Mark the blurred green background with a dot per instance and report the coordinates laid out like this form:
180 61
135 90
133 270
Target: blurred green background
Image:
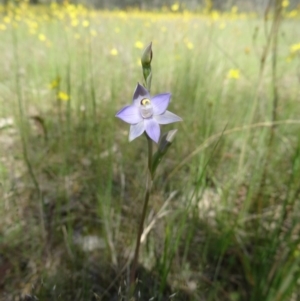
223 221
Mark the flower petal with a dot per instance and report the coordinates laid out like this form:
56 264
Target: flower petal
160 103
130 114
139 93
152 129
136 130
167 118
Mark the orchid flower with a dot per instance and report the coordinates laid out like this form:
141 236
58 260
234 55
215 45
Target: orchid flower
146 113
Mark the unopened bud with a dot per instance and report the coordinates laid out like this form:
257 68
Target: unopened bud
147 56
166 141
163 146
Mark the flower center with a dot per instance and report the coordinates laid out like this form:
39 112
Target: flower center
146 108
145 101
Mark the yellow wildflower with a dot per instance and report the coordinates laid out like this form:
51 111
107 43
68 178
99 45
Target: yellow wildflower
288 59
114 52
85 23
139 45
190 45
34 25
55 83
234 9
233 73
63 96
215 15
53 5
247 50
295 48
292 14
2 27
42 37
175 7
93 32
74 22
6 19
285 3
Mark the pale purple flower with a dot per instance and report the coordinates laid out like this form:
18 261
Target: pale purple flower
146 113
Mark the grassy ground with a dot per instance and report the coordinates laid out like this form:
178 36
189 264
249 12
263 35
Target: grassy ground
223 222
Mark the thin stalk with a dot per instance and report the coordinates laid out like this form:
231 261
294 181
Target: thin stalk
141 225
263 59
150 151
93 90
276 22
23 138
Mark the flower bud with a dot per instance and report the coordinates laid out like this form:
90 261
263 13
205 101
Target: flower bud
163 146
147 56
166 141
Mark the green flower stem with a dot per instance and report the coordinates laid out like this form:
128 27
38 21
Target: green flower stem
141 226
146 62
149 154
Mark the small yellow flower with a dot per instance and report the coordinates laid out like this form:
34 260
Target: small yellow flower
295 48
139 45
63 96
215 15
6 19
42 37
175 7
234 9
233 73
285 3
53 5
288 59
2 27
93 32
33 25
73 15
247 50
55 83
114 52
74 22
85 23
292 14
190 45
